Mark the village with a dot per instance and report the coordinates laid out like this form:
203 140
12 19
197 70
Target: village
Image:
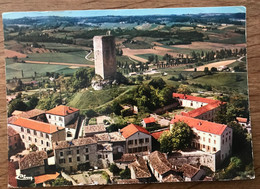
61 144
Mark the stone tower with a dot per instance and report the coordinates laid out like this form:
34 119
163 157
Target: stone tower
105 56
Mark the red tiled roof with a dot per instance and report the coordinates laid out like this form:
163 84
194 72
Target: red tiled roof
194 98
149 120
201 125
34 159
157 135
37 125
132 129
241 119
11 131
62 110
11 174
12 119
44 178
202 110
31 113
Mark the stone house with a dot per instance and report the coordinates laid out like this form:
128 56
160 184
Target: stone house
14 141
191 173
139 170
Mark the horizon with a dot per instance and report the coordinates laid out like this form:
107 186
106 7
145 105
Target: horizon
127 12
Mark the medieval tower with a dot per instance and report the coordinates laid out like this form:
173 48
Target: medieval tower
105 56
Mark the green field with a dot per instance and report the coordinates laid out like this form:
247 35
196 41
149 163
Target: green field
77 57
224 81
14 69
145 56
138 45
123 59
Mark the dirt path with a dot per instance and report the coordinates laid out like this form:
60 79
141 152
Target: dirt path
215 64
59 63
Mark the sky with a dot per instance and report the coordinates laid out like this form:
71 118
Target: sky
127 12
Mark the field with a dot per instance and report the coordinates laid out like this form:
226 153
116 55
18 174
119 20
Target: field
147 55
11 54
215 64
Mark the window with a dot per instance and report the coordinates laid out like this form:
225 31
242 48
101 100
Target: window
203 138
141 141
34 132
70 160
214 149
223 141
214 141
147 140
191 104
86 150
106 156
41 134
41 141
87 157
29 138
203 145
15 138
209 140
60 119
28 131
78 158
99 156
35 139
49 116
130 142
61 154
135 141
62 161
47 143
229 137
22 130
69 152
23 136
47 136
77 151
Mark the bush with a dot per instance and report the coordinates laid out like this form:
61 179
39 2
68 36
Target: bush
84 166
114 169
125 174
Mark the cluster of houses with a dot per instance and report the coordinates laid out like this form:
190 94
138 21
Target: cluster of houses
59 140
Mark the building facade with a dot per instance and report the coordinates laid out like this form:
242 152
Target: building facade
138 139
105 56
69 155
37 133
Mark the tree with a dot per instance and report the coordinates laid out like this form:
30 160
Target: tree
32 103
165 140
16 104
213 69
184 89
90 113
182 136
61 182
157 83
125 174
116 108
114 169
206 71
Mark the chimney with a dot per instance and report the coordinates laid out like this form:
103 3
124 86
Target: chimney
119 131
200 124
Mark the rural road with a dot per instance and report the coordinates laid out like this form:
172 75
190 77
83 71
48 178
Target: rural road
86 57
215 64
59 63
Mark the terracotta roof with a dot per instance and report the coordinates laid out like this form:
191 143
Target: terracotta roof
241 119
189 170
203 109
172 178
31 113
149 120
37 125
11 119
34 159
11 175
62 110
193 98
102 137
116 137
159 162
127 181
11 131
157 135
73 143
43 178
201 125
94 128
127 158
132 129
16 112
140 168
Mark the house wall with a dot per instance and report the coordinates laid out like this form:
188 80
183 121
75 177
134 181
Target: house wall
209 115
34 171
61 120
226 143
191 103
15 143
69 155
105 159
136 146
155 173
29 136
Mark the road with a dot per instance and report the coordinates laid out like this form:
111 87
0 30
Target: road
86 57
215 64
59 63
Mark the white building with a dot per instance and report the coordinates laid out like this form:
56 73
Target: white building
210 137
39 133
138 139
61 115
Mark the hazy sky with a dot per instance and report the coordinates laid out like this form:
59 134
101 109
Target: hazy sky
126 12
